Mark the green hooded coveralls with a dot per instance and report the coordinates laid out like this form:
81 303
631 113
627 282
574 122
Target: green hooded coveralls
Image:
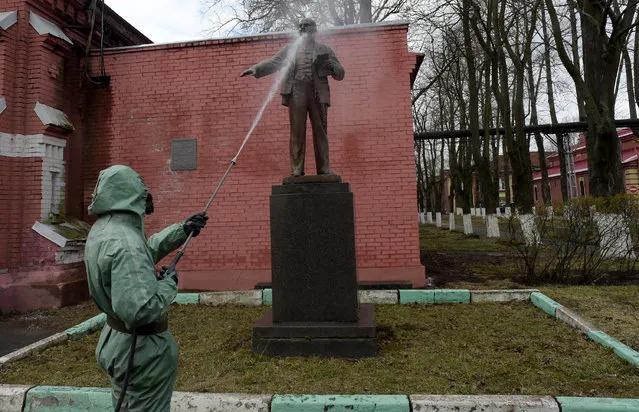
121 273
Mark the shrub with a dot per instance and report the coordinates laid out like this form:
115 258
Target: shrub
582 241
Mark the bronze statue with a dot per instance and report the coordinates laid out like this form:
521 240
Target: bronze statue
305 91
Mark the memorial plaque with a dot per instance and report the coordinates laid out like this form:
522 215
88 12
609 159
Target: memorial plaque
183 154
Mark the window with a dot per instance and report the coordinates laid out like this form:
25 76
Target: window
536 194
582 187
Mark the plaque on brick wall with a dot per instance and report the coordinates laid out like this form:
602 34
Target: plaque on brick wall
184 154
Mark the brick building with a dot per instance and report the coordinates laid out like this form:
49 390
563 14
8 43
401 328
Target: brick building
629 166
58 129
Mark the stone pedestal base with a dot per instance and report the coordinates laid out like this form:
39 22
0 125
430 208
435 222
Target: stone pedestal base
326 339
313 253
315 304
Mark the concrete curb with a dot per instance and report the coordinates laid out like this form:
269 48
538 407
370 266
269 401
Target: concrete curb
544 303
219 402
629 354
574 320
484 403
321 403
34 347
53 398
433 296
409 296
452 296
12 397
379 297
60 398
482 296
569 404
267 297
86 327
604 339
240 297
622 350
187 299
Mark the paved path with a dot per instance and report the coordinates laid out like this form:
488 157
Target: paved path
15 337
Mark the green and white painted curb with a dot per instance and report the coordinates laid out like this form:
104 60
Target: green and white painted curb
46 398
321 403
52 398
34 347
569 404
68 399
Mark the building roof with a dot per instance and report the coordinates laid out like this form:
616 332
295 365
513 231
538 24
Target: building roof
630 153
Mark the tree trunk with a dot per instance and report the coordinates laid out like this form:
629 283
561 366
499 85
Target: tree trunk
604 35
452 173
482 162
632 107
636 63
601 60
365 11
518 145
574 36
508 194
561 151
543 165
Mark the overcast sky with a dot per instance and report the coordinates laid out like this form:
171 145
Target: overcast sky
164 21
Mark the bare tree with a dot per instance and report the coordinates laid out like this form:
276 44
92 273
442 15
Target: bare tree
550 92
533 93
277 15
496 44
605 32
480 144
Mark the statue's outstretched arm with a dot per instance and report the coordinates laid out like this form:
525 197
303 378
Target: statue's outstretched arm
268 66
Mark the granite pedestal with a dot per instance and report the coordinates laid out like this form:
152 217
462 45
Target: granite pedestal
314 275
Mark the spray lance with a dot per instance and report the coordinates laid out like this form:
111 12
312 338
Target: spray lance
283 71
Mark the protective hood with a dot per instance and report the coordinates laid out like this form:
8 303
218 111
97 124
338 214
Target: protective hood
119 188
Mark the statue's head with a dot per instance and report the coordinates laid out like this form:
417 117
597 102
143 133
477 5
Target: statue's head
308 26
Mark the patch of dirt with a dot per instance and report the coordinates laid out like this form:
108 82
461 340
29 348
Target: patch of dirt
450 266
576 278
619 278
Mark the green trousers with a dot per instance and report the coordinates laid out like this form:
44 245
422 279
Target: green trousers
154 369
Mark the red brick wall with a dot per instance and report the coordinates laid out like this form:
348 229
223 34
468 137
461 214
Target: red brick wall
193 90
41 68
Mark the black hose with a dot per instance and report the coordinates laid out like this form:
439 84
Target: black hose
129 371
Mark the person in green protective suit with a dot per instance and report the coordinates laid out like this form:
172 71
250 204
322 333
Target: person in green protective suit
124 284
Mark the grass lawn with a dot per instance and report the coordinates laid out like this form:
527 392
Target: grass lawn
441 349
435 239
